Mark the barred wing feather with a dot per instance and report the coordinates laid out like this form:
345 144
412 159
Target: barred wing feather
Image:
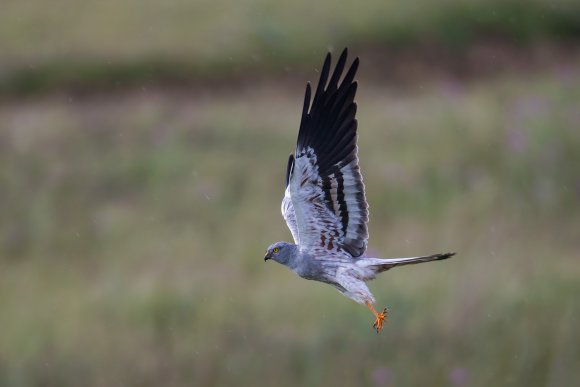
324 203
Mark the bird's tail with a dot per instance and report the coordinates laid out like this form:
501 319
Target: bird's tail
379 264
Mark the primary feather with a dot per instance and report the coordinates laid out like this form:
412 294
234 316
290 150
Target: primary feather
324 203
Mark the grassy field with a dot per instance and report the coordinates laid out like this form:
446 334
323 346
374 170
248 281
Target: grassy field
133 228
143 148
92 43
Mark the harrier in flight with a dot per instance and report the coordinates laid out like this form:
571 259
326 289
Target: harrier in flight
324 203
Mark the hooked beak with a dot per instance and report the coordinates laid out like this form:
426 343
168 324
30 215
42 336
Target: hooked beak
267 256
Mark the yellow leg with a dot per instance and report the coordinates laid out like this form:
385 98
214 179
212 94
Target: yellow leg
379 317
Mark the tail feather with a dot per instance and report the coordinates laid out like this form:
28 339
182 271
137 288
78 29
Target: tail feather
380 264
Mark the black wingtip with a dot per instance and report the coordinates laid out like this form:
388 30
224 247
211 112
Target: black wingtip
327 122
325 69
289 168
307 96
444 256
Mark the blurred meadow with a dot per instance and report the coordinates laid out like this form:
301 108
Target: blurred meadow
143 148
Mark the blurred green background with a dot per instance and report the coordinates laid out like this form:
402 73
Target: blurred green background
143 148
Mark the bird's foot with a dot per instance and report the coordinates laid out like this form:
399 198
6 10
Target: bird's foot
380 319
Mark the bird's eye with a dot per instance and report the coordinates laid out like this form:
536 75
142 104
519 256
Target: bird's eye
275 249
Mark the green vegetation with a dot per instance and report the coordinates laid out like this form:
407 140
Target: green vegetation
134 216
133 229
105 43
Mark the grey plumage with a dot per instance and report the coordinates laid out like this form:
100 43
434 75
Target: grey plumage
324 203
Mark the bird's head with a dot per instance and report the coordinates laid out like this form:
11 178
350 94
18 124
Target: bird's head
280 252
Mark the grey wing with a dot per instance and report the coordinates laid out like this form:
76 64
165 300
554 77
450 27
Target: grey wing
327 205
287 206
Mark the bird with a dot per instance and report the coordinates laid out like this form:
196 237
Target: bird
324 203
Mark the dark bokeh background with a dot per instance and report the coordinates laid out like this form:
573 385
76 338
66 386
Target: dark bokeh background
143 149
